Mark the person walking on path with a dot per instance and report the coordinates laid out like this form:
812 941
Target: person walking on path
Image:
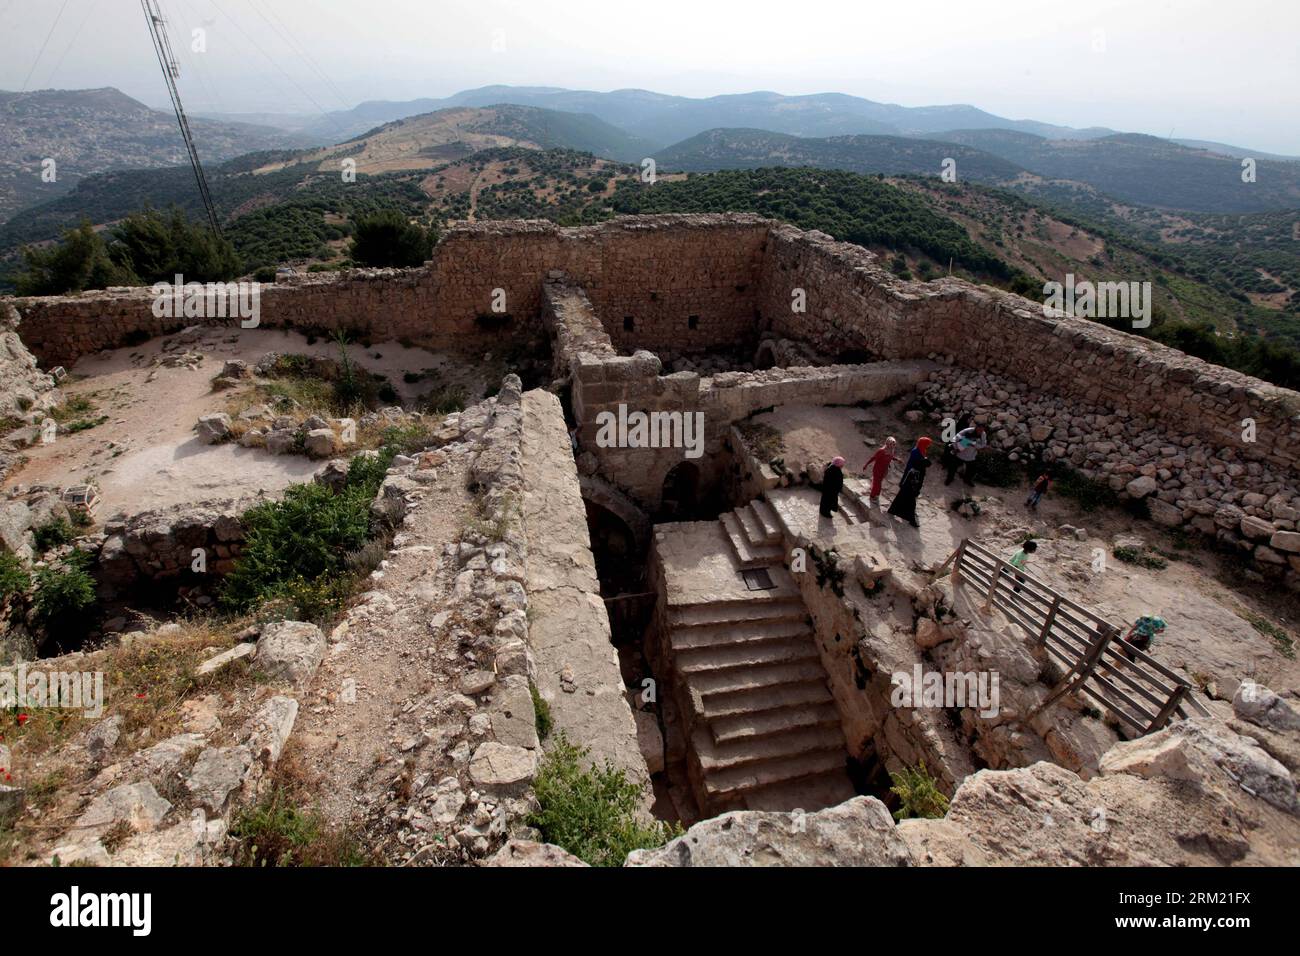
1036 493
919 451
909 489
965 447
879 464
1020 559
832 483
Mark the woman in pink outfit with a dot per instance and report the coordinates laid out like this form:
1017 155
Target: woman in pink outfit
879 464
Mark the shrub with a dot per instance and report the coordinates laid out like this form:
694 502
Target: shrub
1089 493
277 831
388 238
591 812
303 550
14 577
63 592
292 543
1141 558
999 471
541 712
918 794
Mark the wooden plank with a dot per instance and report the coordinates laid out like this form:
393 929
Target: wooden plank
1167 711
1047 624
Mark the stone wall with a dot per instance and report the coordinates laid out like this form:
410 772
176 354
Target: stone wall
659 271
154 546
852 303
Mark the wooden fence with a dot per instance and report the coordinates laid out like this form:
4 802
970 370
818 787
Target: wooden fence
1133 685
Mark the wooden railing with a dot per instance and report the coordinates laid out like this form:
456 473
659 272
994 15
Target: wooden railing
1133 685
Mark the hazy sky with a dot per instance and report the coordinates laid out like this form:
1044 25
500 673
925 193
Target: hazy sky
1225 70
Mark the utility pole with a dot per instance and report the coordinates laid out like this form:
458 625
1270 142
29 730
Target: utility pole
171 70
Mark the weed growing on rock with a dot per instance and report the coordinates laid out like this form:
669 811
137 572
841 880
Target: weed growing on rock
593 813
918 794
541 712
1141 557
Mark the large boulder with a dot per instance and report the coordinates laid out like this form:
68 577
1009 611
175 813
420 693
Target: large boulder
291 650
213 429
858 832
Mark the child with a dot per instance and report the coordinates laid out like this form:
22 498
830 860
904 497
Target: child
1142 632
1036 494
1020 559
879 464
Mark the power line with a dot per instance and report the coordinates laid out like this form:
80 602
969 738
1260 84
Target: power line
167 61
67 49
41 52
296 47
277 66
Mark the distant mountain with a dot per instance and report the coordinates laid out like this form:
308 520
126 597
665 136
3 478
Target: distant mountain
417 144
93 131
663 119
753 148
1146 170
668 119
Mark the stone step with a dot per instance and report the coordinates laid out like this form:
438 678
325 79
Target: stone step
826 789
765 723
799 513
708 659
767 517
803 693
781 608
751 678
738 781
755 533
716 757
738 633
748 555
855 506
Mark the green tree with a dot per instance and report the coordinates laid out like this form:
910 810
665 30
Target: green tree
157 246
80 261
387 238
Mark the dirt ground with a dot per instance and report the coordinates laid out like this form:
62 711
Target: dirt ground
145 455
1212 612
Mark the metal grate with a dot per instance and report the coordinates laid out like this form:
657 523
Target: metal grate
757 579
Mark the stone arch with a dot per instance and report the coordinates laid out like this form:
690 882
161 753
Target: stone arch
601 493
681 490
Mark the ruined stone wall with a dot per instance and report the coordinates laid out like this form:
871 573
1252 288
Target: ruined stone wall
854 304
659 270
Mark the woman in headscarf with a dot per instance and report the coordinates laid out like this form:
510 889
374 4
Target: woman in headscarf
919 451
879 464
832 482
904 503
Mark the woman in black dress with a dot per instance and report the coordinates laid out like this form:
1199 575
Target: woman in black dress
832 482
904 503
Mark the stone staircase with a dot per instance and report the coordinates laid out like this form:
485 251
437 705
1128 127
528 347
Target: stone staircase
764 729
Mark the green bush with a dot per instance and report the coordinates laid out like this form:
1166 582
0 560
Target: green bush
592 813
293 543
276 831
1089 493
388 238
14 577
999 471
1141 558
63 592
918 794
55 532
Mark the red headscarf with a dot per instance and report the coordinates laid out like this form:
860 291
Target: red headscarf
923 444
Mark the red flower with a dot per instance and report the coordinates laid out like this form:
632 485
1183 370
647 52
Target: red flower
22 719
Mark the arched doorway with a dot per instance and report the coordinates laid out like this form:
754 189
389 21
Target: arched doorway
680 498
